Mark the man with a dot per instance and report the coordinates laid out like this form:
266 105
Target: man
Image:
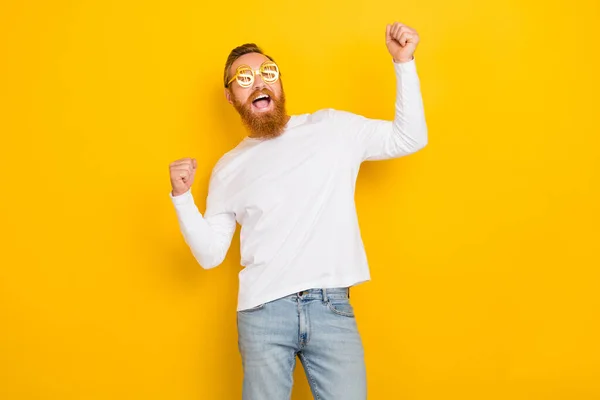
290 185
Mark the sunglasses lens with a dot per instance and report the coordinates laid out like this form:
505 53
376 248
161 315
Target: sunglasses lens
270 72
245 77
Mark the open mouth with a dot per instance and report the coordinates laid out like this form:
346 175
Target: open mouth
262 101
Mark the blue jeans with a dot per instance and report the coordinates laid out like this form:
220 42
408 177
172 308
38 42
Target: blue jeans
319 327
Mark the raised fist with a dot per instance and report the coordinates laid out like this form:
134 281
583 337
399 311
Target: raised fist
182 175
401 41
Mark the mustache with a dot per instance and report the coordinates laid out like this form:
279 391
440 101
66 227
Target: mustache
260 92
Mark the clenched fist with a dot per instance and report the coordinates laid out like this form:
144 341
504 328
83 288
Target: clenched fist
182 175
401 41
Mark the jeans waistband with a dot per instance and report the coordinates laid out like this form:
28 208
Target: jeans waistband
323 294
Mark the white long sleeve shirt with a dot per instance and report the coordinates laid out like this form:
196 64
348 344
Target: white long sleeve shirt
293 197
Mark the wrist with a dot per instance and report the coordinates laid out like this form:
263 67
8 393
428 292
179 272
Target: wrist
403 60
176 193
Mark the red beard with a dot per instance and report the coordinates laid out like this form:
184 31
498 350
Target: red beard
266 125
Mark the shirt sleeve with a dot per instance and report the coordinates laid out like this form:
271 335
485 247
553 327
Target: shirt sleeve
209 236
376 139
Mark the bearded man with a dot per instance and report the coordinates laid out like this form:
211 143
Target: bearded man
290 185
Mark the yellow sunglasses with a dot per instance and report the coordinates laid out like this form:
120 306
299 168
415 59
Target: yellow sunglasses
244 74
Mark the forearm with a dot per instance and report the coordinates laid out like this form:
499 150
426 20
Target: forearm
208 240
409 128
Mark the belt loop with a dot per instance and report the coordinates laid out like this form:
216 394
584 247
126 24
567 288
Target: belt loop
348 293
325 299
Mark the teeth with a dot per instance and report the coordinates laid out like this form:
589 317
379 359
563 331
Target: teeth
262 96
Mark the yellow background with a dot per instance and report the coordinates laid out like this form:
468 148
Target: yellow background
483 247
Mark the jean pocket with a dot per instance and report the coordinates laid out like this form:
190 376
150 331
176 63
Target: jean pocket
253 309
341 307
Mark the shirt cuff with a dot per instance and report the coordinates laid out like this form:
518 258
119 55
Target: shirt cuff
184 198
405 67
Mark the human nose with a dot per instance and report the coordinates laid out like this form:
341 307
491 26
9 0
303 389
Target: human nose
258 81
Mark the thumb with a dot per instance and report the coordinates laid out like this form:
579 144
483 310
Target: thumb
194 163
388 28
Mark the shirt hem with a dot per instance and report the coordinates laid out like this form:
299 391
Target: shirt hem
295 289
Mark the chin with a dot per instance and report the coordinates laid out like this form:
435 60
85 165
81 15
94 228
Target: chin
263 115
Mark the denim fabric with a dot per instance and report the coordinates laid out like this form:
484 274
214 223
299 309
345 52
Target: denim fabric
319 327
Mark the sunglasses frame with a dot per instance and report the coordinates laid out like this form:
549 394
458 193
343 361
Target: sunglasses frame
259 71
